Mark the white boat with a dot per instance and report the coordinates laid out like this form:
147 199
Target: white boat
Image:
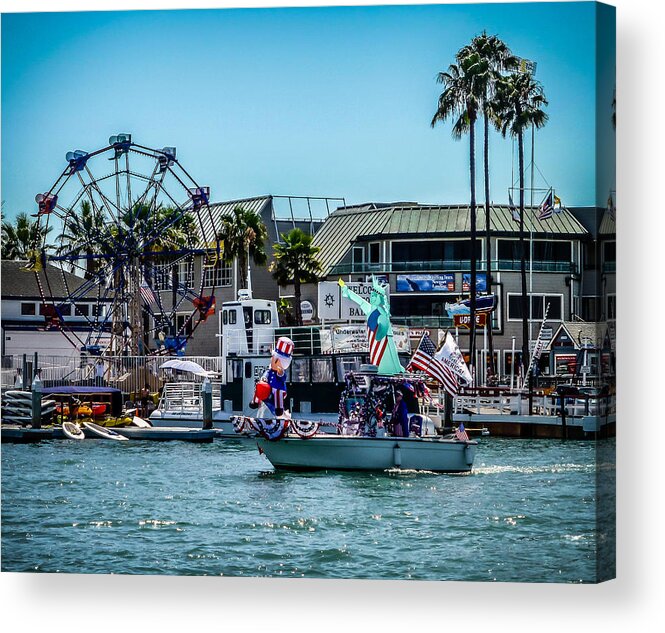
370 418
330 452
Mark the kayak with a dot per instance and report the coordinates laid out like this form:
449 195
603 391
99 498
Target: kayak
98 409
107 434
72 431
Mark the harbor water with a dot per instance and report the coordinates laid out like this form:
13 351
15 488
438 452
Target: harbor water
526 513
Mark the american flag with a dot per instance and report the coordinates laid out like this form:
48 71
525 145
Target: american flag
423 360
461 433
547 207
148 296
376 348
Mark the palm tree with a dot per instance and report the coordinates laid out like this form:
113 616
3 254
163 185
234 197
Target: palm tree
84 235
494 57
244 235
462 99
296 263
519 105
21 236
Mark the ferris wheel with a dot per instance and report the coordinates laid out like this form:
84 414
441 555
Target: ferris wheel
128 243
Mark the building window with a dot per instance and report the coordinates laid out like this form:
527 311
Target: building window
82 309
543 251
97 310
590 308
180 320
163 275
374 253
65 309
538 304
219 275
611 307
610 252
28 309
433 251
358 255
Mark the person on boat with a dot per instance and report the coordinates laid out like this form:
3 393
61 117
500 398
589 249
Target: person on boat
18 379
400 417
271 388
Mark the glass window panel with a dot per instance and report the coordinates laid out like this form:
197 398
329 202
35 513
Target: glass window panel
322 370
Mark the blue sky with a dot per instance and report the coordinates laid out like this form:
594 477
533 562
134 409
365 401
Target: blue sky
320 101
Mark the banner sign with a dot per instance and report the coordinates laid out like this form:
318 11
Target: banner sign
444 282
353 338
464 320
333 307
481 282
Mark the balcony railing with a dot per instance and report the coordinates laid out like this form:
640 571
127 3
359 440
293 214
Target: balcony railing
449 266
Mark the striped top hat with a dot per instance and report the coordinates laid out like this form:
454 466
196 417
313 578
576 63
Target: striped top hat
283 350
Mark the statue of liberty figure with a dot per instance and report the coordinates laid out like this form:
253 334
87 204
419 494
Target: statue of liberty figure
382 350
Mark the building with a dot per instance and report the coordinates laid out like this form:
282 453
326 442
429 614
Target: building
424 252
25 321
280 214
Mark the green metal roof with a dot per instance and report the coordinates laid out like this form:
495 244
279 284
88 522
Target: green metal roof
608 226
352 224
220 209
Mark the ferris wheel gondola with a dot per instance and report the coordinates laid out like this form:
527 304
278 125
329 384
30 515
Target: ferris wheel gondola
126 273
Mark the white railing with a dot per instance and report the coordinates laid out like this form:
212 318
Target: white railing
185 397
518 404
127 373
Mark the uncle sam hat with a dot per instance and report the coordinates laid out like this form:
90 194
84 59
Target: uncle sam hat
283 350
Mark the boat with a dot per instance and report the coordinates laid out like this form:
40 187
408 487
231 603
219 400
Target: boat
73 431
368 435
484 303
103 432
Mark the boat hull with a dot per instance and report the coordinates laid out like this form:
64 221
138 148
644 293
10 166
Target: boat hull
362 453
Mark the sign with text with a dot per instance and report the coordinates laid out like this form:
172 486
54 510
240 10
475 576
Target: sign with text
353 338
444 282
464 320
481 282
334 307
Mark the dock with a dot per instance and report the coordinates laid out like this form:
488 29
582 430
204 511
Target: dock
15 434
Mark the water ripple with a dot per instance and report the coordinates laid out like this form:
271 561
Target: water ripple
527 512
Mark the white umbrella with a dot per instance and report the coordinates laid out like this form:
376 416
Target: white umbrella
187 365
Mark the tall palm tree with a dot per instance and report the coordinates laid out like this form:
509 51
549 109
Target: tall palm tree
244 235
494 57
296 263
84 235
519 105
21 236
461 99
